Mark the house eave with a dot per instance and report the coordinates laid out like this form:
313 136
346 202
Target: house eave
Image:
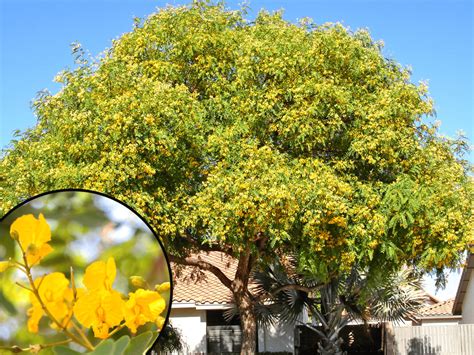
200 306
446 316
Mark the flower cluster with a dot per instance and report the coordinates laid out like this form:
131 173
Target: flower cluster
102 308
96 305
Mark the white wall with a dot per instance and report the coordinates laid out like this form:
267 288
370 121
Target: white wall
276 338
192 326
468 302
439 340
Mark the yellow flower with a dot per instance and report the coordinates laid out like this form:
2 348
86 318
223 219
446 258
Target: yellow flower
101 310
100 307
33 236
54 292
143 306
100 275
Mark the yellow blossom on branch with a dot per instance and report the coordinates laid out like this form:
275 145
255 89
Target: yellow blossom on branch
33 236
101 310
142 307
100 307
100 275
55 295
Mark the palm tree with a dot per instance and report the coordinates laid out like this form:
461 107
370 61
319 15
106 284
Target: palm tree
282 294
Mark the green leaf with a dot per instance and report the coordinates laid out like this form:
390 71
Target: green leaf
104 348
139 344
121 344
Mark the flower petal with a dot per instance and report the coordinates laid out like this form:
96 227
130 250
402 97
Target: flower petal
29 230
34 256
100 275
113 306
35 313
85 309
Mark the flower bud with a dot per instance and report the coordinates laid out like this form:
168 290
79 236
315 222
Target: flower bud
165 286
138 281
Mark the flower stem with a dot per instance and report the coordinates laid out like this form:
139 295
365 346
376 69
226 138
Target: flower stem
81 333
34 289
120 327
34 348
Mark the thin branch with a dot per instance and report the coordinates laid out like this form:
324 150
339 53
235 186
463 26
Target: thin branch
209 247
204 265
120 327
45 309
22 286
34 348
81 333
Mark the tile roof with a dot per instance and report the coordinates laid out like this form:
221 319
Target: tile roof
443 308
192 285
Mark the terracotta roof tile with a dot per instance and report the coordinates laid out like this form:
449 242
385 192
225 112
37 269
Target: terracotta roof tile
438 309
202 287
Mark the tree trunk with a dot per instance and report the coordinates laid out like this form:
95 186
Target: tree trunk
248 324
244 303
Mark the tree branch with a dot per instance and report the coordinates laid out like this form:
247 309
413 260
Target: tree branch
205 246
203 265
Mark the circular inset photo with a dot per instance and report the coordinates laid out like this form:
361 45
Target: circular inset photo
80 272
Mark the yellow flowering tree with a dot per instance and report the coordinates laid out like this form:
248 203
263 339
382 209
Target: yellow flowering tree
255 138
73 310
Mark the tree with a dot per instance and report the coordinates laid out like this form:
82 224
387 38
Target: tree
254 138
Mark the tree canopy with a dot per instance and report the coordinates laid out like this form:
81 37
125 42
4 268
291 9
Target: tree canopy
255 137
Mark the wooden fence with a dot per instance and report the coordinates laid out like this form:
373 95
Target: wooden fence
431 340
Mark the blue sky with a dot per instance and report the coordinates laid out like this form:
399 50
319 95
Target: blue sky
434 37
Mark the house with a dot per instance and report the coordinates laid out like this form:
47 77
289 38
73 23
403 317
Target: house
440 313
199 303
464 301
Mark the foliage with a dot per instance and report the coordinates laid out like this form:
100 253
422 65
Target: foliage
301 134
123 346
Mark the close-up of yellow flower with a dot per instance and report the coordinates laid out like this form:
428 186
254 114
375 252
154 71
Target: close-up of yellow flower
101 310
100 307
76 297
33 236
100 275
143 306
55 295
